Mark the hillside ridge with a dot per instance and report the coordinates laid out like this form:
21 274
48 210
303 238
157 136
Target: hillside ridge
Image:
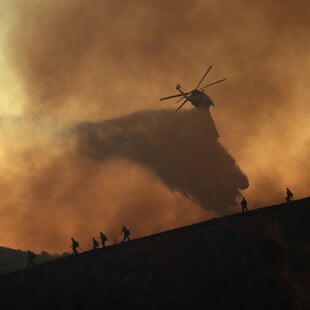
213 223
259 260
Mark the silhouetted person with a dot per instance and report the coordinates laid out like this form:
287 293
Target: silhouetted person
30 257
126 233
289 195
95 244
103 239
244 205
74 246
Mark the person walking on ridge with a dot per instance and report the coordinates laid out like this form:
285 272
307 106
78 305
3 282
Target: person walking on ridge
103 239
289 195
74 246
126 233
95 244
244 205
30 256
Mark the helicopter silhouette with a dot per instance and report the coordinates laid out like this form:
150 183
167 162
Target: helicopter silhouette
197 96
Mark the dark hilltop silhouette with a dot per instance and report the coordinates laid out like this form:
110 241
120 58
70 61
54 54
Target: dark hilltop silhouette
12 260
258 260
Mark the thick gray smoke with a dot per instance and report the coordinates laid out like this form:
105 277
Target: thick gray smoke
182 149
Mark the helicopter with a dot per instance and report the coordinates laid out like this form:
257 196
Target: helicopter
197 96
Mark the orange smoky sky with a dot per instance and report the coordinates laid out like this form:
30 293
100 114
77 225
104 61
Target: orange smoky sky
94 63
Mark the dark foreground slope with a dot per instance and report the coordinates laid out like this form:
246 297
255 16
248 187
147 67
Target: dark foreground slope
257 261
12 260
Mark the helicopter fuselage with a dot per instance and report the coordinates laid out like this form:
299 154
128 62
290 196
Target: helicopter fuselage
199 99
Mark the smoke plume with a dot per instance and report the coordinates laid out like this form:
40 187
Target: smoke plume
181 149
52 191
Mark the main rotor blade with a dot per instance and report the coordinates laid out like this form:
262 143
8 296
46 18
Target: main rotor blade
203 77
174 96
181 105
219 81
178 100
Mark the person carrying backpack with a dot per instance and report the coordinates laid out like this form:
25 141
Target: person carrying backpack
103 239
126 233
289 195
74 246
95 244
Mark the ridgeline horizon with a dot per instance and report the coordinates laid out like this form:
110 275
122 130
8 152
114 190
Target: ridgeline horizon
259 259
